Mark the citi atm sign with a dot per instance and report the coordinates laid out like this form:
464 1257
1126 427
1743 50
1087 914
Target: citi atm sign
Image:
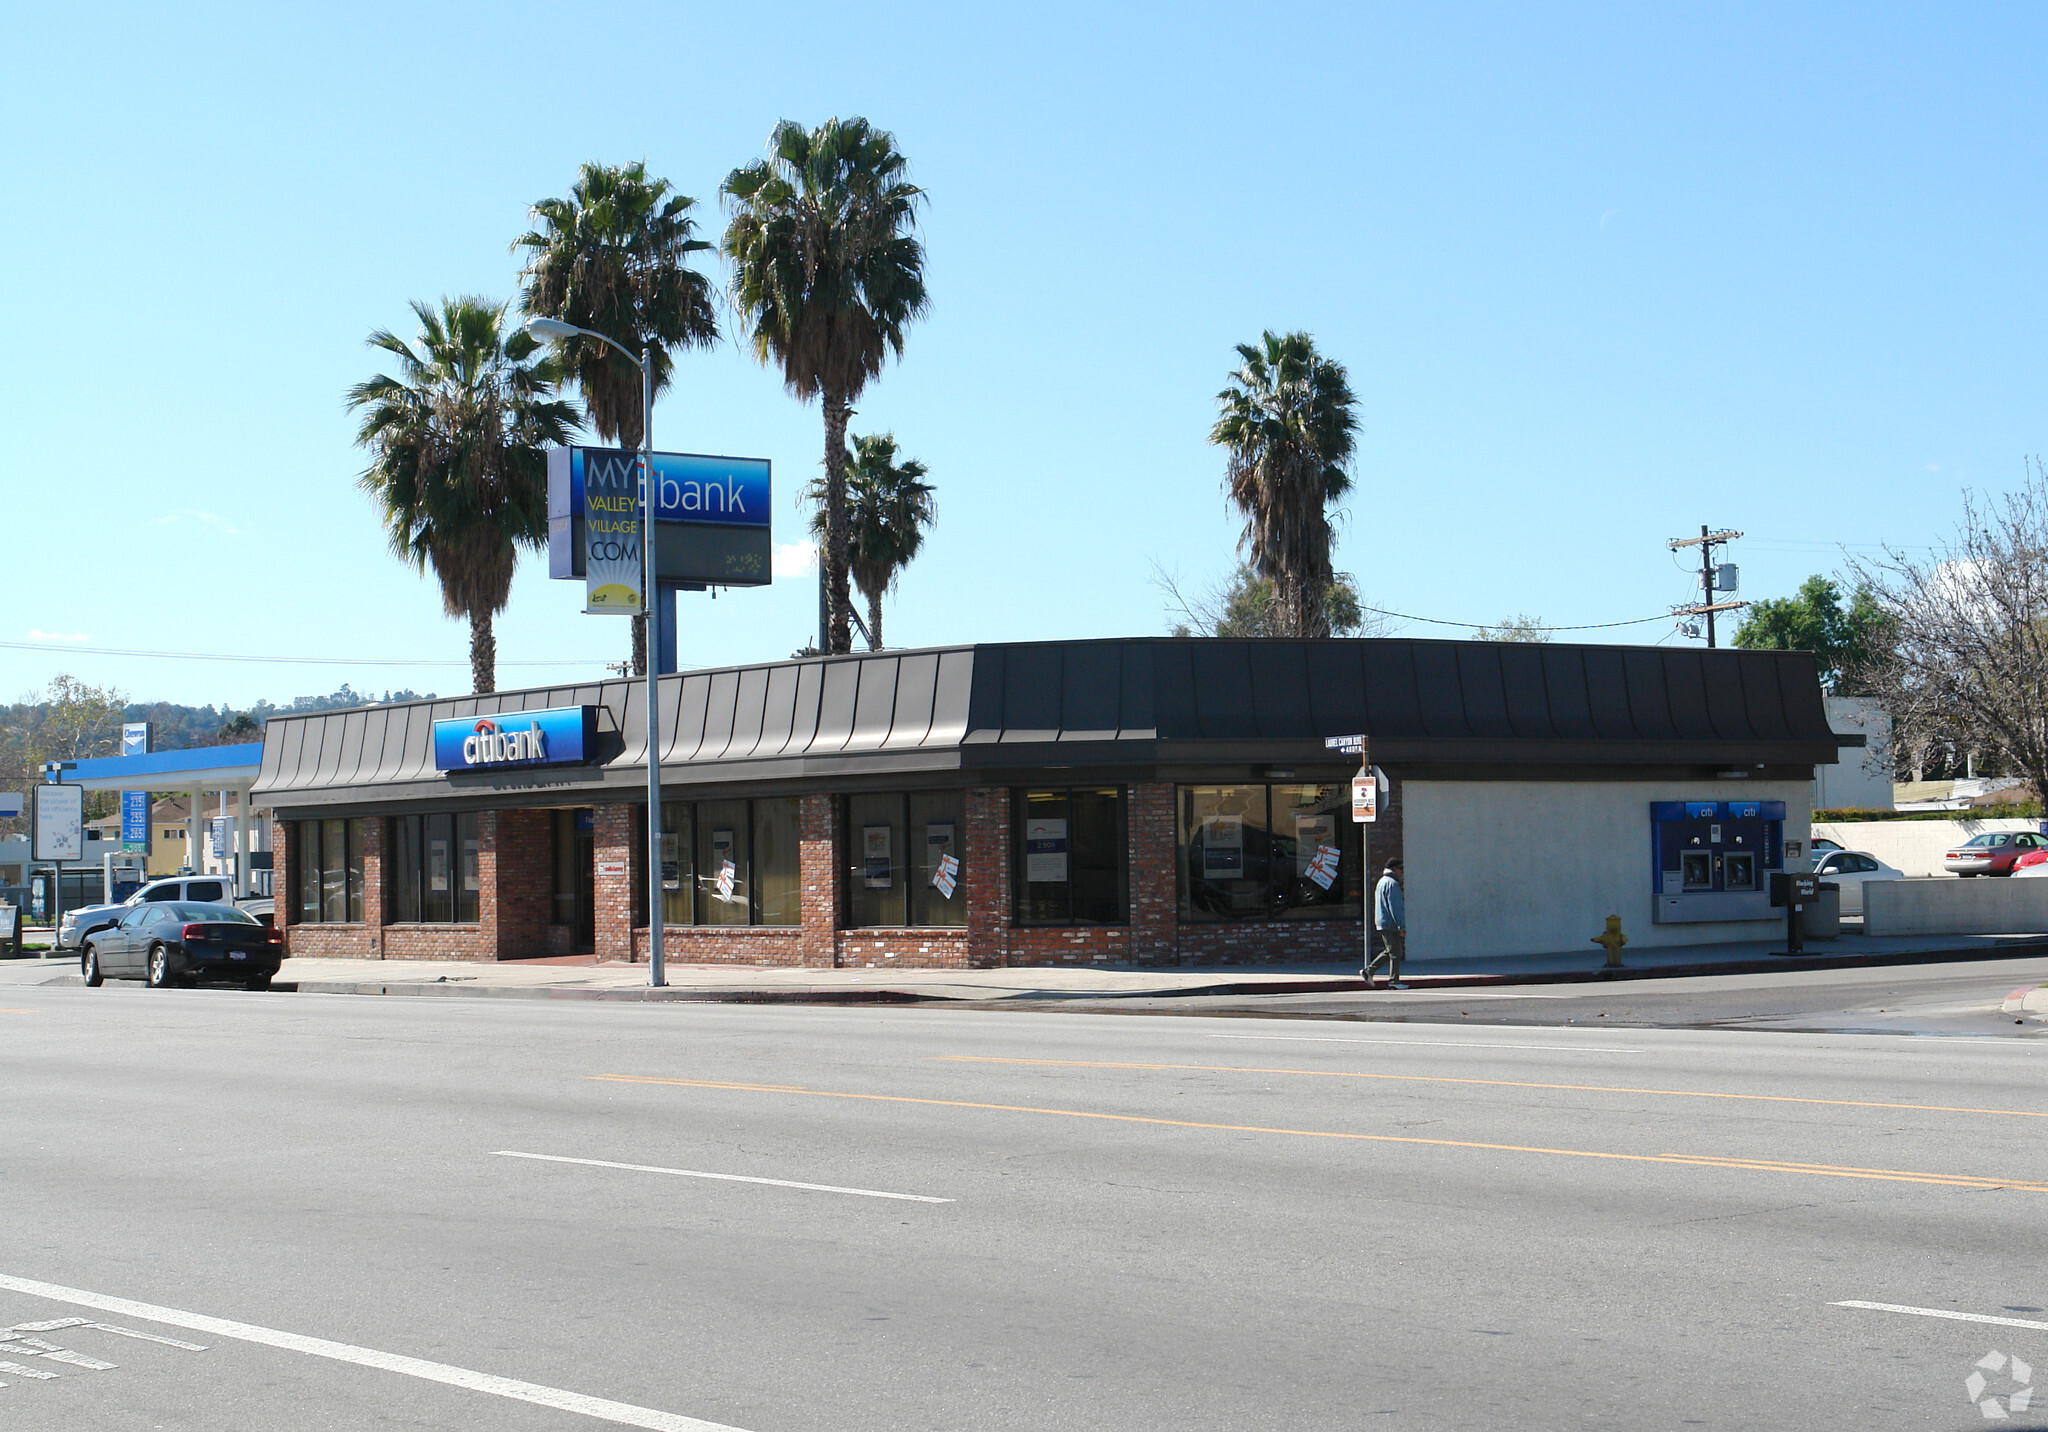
563 735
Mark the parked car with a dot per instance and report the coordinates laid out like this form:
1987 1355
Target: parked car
2034 862
1992 853
174 943
1823 846
1851 870
77 924
264 908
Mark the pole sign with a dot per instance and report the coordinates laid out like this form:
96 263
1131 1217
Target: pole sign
1349 745
564 735
135 821
1365 797
714 514
59 824
11 805
611 538
219 834
135 738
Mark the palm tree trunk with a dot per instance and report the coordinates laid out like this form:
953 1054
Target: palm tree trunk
483 654
839 604
874 621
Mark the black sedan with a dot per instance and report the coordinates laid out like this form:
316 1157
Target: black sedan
180 944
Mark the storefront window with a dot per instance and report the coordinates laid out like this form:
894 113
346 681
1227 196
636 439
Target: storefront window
1068 856
895 843
1259 852
434 869
778 882
329 857
731 862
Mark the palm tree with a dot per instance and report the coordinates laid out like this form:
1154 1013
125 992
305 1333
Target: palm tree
828 274
614 257
456 456
1289 422
888 506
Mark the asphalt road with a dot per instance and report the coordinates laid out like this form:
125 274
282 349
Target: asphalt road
1928 999
351 1213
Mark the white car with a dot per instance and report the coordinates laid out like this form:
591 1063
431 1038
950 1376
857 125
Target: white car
1851 869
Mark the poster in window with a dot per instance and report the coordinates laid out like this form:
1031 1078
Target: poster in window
437 864
1045 851
1223 847
1310 833
876 871
471 867
671 862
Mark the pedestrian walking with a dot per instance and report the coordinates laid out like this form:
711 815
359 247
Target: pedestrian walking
1390 918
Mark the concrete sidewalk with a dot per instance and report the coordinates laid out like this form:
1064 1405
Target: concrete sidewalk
749 984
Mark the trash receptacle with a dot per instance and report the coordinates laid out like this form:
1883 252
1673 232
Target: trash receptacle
1822 919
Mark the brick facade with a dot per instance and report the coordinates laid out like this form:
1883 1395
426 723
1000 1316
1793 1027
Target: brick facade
516 908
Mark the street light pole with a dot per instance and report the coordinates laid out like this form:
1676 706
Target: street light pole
649 495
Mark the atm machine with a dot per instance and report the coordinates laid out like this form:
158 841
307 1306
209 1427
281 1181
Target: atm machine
1713 860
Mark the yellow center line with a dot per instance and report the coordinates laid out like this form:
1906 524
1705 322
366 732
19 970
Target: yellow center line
1493 1083
1695 1160
20 1011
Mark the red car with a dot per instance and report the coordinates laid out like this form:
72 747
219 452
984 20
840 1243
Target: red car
1995 852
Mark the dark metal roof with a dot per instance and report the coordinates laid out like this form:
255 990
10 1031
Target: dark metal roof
1139 701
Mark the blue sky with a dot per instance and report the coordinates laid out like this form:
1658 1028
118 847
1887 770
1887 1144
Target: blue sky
1600 274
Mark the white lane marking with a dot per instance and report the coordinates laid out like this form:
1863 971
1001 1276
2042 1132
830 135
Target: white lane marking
40 1374
1944 1313
621 1413
79 1359
1437 1043
146 1337
722 1177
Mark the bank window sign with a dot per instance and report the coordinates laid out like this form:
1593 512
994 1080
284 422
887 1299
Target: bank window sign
499 740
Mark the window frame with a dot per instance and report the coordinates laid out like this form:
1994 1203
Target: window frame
411 877
1270 909
1019 887
347 867
915 876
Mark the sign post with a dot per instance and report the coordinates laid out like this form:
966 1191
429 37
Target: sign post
57 829
1362 815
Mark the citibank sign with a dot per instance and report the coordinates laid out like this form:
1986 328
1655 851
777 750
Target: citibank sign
562 735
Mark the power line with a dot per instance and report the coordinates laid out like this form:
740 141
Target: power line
1590 626
271 660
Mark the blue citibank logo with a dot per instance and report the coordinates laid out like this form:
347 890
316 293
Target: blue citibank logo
562 735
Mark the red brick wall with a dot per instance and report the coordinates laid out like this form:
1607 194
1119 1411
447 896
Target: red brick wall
615 828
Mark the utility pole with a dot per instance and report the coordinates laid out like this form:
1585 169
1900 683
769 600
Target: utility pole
1707 541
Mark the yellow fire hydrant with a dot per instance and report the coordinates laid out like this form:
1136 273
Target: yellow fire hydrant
1612 939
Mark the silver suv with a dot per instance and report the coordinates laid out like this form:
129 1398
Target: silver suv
77 924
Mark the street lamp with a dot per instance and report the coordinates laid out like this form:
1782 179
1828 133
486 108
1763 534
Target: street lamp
556 329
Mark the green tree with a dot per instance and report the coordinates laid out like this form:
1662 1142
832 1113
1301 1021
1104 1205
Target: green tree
1521 627
1289 423
1245 606
457 468
828 274
1844 639
614 257
888 507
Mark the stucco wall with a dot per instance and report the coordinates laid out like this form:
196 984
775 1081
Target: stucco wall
1524 868
1955 907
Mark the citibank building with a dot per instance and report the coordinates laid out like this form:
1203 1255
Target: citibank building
1150 801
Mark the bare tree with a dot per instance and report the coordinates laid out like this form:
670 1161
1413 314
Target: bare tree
1961 660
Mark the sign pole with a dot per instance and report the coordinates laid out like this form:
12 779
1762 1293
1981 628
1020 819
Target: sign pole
650 496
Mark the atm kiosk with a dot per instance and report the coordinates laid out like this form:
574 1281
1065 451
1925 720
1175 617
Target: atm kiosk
1713 860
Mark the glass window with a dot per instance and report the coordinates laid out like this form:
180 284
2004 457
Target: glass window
1067 851
306 851
724 887
678 865
433 869
778 879
333 871
1268 852
471 893
1227 853
562 867
938 828
876 881
328 886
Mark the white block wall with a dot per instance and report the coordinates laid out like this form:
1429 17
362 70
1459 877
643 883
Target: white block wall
1535 867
